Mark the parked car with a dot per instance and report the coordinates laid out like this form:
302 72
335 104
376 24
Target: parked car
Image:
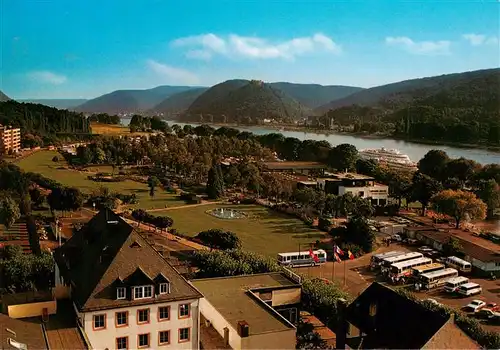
410 241
474 305
485 313
396 238
425 249
433 301
493 306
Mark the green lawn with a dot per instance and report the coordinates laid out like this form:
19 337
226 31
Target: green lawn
263 231
41 162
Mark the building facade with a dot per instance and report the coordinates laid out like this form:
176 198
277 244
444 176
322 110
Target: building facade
10 139
124 293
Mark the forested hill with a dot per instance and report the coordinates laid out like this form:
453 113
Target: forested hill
315 95
3 97
42 120
462 88
177 103
247 102
463 108
130 101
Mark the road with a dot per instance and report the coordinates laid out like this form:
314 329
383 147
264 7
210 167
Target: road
358 277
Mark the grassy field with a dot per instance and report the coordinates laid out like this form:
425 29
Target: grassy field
263 231
41 162
113 130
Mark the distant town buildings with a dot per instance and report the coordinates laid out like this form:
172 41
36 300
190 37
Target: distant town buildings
10 139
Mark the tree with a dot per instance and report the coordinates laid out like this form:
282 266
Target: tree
423 188
453 247
367 167
33 236
215 183
489 192
358 232
434 164
9 211
72 198
307 338
399 186
153 182
462 169
232 175
55 199
37 197
217 238
459 205
343 157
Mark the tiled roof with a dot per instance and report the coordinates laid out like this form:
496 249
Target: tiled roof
107 253
27 331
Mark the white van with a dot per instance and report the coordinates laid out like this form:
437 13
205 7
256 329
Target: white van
453 283
469 289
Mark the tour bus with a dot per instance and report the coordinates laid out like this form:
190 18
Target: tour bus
459 264
437 278
419 270
452 284
404 268
387 262
376 260
301 258
469 289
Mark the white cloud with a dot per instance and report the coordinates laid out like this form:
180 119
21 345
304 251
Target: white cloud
480 39
175 75
45 76
207 45
440 47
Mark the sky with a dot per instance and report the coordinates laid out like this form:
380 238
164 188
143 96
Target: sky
83 49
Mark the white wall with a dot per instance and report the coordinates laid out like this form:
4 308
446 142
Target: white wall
106 338
367 191
219 322
485 266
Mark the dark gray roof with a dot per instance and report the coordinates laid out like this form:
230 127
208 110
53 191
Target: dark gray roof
28 331
107 253
399 323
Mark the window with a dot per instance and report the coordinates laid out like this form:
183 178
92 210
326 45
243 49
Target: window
121 318
163 337
164 288
143 316
99 321
184 334
122 343
163 313
121 293
143 340
143 292
184 310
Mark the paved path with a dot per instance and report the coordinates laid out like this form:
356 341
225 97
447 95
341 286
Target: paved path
183 206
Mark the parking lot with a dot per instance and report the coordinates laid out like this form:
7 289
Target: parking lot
355 276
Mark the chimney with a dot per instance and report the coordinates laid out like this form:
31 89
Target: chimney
341 330
243 329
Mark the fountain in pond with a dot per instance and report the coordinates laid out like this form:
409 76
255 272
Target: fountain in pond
226 213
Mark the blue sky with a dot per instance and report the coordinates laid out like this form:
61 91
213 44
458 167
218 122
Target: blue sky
82 49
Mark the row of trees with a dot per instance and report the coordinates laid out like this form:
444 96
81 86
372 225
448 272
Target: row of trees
161 222
104 118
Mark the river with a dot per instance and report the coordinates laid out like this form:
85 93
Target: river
414 150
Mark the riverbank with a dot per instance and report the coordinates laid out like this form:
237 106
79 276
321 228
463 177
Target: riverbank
362 135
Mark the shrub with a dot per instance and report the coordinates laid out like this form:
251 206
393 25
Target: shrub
324 224
217 238
55 159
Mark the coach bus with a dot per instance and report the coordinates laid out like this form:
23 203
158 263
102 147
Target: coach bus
437 278
387 262
419 270
459 264
452 284
376 259
302 258
404 268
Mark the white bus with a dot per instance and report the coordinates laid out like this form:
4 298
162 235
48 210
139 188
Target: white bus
376 260
469 289
459 264
437 278
404 268
419 270
452 284
387 262
301 258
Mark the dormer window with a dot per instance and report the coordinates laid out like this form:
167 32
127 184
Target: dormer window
121 293
142 292
164 288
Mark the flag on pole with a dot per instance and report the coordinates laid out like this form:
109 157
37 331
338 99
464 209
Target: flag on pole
337 250
350 255
335 255
313 256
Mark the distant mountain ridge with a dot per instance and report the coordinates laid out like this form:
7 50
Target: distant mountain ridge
4 97
407 91
130 101
69 103
177 103
247 102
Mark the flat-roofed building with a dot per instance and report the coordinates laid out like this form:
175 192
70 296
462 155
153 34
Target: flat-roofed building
10 139
252 311
301 167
